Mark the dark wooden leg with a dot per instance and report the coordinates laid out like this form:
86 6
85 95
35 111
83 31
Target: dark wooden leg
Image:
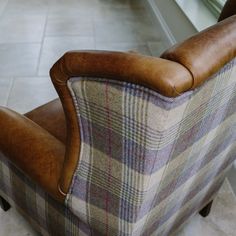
4 204
206 210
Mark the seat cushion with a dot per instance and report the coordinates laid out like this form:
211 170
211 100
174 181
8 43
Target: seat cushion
50 116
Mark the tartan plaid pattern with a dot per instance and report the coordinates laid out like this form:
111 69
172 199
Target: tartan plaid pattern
47 215
148 162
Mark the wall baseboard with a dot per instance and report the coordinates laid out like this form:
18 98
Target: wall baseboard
157 14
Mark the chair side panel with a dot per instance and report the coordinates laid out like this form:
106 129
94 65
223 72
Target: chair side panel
148 162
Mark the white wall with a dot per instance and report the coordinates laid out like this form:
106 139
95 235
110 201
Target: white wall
172 19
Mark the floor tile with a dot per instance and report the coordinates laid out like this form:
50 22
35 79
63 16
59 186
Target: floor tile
26 7
5 86
157 48
3 4
55 47
124 31
122 4
108 14
199 226
72 8
140 48
30 92
220 221
22 29
68 25
224 211
232 177
19 59
13 224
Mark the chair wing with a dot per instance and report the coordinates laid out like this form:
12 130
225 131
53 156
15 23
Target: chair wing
147 162
148 140
156 136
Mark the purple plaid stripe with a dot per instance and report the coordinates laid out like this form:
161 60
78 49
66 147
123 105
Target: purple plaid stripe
132 150
147 162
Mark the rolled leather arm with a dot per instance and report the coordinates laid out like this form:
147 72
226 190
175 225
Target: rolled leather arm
155 73
32 149
206 52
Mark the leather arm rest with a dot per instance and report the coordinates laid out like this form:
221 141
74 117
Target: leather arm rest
207 52
32 149
158 74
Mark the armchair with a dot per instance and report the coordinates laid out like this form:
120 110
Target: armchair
135 145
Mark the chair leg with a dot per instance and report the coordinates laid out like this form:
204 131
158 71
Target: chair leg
206 210
4 204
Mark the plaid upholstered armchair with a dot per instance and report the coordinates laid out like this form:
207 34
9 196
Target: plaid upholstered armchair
135 145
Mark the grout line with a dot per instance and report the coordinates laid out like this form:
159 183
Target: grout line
68 36
30 76
149 50
230 187
215 226
94 31
10 90
94 34
11 43
42 43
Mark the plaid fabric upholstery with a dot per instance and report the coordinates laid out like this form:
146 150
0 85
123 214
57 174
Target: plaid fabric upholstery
148 162
47 215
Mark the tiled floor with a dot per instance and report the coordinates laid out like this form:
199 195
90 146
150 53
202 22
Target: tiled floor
35 33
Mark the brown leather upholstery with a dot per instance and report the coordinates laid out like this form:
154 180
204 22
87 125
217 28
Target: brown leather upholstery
205 53
31 148
228 10
158 74
50 117
59 79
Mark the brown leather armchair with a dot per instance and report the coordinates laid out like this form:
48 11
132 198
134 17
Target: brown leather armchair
135 145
